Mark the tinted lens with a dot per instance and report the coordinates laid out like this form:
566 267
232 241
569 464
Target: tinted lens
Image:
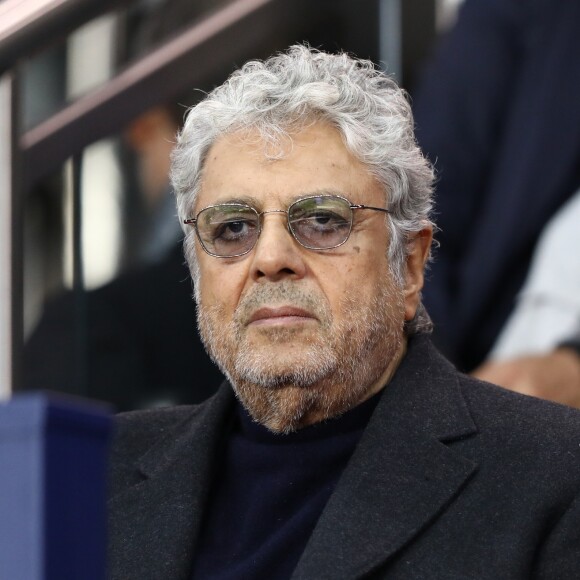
228 230
320 222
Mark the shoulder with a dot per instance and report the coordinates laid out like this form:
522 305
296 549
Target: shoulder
492 408
501 408
137 431
507 429
148 442
525 434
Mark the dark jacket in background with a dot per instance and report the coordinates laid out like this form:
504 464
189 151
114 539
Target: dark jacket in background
138 346
498 113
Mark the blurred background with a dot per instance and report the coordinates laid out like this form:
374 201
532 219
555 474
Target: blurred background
92 95
95 299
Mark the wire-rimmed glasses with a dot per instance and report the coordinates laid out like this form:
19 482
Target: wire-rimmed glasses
319 222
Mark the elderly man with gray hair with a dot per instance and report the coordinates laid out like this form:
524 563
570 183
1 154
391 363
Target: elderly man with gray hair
342 445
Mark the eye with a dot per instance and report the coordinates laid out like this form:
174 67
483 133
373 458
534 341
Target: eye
320 214
232 229
321 222
228 229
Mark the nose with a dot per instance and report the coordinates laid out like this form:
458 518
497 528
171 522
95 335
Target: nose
277 254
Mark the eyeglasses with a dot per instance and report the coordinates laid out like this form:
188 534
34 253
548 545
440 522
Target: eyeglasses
321 222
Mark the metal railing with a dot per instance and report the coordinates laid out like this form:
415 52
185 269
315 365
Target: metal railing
231 34
201 55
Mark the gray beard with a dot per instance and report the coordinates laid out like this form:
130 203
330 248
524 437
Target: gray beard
328 377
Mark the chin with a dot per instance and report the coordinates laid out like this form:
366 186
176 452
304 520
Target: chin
276 368
284 405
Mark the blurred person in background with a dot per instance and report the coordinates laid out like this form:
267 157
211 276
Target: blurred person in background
133 341
151 225
497 112
538 350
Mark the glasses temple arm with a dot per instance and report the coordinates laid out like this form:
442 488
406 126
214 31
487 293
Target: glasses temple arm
360 206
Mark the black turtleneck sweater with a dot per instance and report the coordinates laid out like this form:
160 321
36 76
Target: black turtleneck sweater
268 494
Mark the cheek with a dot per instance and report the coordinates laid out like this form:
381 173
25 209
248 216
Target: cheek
343 286
360 282
208 284
221 285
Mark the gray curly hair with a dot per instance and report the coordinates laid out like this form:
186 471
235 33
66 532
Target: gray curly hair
290 91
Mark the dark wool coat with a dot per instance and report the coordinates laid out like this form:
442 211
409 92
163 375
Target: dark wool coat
452 479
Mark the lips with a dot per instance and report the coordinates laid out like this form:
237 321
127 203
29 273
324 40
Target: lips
280 315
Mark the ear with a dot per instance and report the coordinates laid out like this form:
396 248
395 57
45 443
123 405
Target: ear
418 249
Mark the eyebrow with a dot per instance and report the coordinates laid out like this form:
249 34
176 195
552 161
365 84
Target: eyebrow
256 203
240 199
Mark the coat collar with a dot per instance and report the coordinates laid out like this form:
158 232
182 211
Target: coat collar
400 477
154 524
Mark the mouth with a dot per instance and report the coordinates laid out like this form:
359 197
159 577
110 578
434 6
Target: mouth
280 316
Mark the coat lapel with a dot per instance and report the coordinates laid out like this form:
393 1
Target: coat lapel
402 474
154 524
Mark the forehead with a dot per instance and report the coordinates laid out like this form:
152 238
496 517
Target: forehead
311 160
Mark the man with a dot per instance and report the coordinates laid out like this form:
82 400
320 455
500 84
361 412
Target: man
352 448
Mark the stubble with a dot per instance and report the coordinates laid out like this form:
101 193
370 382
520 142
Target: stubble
294 376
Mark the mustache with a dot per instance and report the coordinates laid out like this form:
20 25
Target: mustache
285 293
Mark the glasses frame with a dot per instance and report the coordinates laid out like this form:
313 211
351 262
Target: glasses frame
352 206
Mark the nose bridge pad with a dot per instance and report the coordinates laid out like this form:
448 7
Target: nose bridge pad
284 211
